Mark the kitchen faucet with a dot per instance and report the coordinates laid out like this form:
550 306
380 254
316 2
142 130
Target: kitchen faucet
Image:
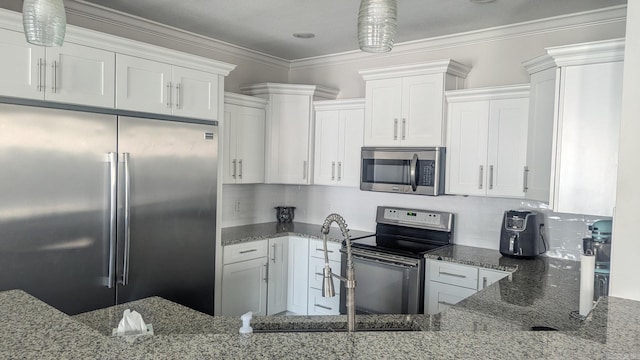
350 281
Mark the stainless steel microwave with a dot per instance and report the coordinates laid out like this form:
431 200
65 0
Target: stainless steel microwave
403 170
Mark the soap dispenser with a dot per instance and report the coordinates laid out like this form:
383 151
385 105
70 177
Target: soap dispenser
246 323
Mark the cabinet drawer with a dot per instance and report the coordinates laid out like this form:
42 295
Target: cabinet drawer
316 249
319 305
244 251
442 296
454 274
316 266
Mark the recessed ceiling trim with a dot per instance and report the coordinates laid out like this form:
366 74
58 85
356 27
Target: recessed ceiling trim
614 14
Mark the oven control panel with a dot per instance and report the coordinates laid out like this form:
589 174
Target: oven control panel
419 217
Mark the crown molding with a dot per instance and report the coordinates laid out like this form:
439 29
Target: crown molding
447 66
539 63
588 53
97 13
291 89
488 93
245 100
609 15
342 104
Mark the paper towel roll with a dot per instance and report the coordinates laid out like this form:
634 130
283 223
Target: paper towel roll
587 270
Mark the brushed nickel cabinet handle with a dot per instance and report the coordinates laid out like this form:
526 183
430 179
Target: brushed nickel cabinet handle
451 274
395 129
490 177
273 258
178 95
339 170
266 272
234 168
484 282
333 170
248 251
169 95
404 128
40 86
323 307
480 177
240 169
54 68
525 179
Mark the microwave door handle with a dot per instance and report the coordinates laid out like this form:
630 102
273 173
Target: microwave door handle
413 172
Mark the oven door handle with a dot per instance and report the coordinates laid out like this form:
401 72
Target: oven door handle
386 261
413 172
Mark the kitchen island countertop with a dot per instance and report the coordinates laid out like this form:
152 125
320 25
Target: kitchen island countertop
33 330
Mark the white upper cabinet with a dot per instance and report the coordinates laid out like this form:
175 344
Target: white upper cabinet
73 74
405 104
156 87
244 133
487 141
289 130
586 99
100 70
338 140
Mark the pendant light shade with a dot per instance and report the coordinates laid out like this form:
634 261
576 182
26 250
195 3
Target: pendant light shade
44 22
377 22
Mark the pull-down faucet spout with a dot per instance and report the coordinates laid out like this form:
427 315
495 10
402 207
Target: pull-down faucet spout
350 281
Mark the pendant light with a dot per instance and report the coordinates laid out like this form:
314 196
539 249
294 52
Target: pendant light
44 22
377 22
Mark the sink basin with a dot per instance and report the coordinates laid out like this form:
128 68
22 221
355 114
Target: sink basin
331 327
328 330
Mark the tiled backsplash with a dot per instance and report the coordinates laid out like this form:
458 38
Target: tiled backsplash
477 222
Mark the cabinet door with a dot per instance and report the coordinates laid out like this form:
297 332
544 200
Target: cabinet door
586 152
422 119
22 67
278 275
350 141
288 150
540 135
383 110
442 296
487 277
229 162
143 85
244 287
249 138
507 149
297 287
319 305
80 75
326 152
195 93
467 148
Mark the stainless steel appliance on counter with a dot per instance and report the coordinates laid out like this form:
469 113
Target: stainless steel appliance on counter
390 266
599 244
100 209
403 170
523 234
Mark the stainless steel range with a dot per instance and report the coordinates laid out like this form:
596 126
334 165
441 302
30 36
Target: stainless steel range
389 266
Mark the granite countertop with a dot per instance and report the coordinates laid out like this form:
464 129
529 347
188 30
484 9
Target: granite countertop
494 323
33 330
254 232
540 292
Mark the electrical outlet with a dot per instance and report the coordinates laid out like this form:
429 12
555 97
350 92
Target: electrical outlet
237 206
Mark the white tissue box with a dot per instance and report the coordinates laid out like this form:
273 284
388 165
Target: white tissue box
149 331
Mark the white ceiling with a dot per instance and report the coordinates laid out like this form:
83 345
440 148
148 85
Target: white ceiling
267 26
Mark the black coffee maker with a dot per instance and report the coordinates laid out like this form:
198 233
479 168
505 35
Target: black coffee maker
523 234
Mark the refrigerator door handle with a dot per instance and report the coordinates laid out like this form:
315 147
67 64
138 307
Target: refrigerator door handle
127 219
113 207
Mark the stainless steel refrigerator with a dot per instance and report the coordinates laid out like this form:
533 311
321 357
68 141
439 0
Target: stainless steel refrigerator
99 209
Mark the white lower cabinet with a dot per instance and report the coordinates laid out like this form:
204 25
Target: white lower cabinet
244 279
319 305
278 275
297 288
449 283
